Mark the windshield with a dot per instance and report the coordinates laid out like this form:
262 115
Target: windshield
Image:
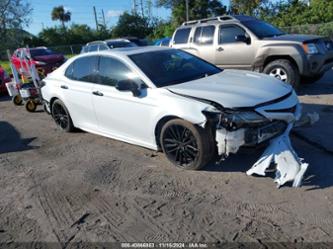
121 44
171 67
40 52
262 29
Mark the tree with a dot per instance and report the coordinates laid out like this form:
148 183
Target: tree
246 7
59 13
14 15
132 25
198 9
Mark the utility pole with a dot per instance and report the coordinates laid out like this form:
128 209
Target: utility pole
95 18
134 7
186 3
149 8
103 18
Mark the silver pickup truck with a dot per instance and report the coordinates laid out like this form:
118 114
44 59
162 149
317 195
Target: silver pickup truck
244 42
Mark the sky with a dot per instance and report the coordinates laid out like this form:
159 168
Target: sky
82 12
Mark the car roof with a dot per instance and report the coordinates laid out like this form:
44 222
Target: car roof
94 42
117 40
126 51
226 19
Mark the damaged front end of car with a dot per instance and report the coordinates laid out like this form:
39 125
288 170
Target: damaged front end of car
271 122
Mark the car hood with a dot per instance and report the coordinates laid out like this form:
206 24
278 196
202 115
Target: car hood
295 38
234 88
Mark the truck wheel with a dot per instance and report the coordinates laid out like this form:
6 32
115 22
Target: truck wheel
185 145
30 105
284 70
17 100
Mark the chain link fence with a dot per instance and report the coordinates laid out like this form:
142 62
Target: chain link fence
67 50
322 29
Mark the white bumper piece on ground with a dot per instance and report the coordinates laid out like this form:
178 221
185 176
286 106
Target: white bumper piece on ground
289 167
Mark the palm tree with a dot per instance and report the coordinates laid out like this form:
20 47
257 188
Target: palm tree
59 13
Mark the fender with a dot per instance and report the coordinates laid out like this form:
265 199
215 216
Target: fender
294 51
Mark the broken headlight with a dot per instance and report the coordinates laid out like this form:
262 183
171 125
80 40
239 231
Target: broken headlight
234 119
237 119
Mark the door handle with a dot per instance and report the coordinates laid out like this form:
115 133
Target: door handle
97 93
64 87
220 49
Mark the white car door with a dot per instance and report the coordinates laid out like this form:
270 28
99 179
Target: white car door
77 91
120 114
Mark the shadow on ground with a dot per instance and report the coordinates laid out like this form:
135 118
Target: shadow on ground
321 87
5 98
11 141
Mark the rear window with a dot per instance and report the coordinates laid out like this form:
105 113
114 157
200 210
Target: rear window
121 44
182 35
40 52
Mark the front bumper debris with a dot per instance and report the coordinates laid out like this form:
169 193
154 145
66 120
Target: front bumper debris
289 167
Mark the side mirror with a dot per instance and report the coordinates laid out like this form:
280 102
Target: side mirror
129 85
242 38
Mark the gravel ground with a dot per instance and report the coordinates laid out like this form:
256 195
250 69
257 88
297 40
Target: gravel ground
78 187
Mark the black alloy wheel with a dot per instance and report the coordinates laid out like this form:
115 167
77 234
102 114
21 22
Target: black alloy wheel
185 145
61 116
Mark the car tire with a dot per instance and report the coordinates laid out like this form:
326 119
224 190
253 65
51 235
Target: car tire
187 146
61 116
284 70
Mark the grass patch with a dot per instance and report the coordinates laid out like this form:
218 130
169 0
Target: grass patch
5 65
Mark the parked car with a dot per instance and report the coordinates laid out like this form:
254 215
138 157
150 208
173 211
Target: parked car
106 45
163 42
45 59
4 78
139 42
183 105
245 42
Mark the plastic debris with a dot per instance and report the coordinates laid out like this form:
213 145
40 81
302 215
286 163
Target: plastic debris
289 167
307 119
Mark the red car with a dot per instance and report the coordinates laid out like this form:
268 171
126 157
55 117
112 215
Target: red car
45 59
4 78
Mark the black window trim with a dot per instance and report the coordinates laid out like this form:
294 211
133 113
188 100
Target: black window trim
229 25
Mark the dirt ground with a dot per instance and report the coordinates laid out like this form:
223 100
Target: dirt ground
57 187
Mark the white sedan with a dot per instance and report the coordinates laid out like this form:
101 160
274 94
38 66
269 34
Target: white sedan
166 99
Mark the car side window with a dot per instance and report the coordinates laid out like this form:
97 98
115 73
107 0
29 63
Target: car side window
227 34
102 47
204 35
112 70
93 48
182 35
84 69
69 71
